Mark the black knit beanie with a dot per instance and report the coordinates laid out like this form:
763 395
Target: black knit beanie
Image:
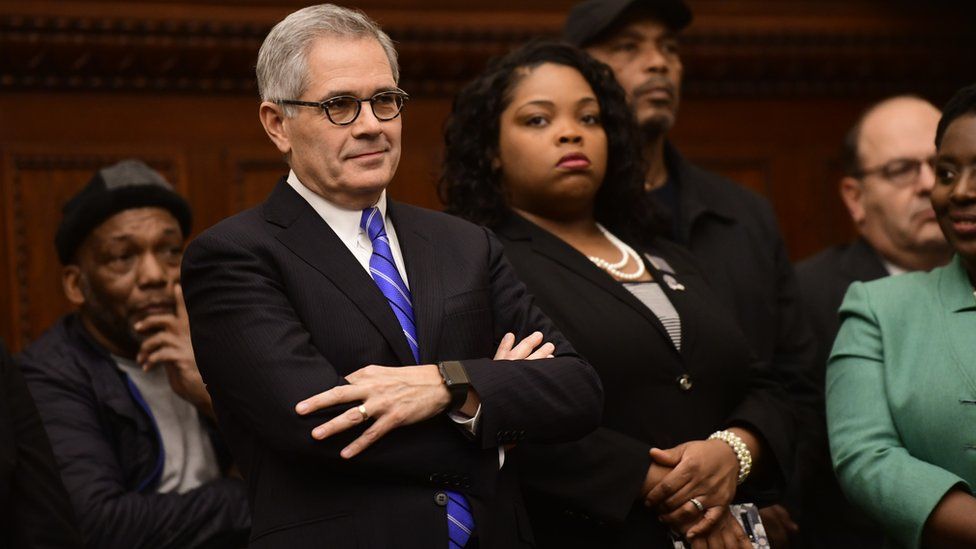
123 186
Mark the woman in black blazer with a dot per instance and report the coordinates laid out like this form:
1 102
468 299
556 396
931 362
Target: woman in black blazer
542 148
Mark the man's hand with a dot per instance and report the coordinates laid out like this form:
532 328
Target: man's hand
530 348
397 396
392 396
779 525
167 344
703 469
726 534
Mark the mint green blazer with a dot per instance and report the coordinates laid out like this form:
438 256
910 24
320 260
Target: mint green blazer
901 396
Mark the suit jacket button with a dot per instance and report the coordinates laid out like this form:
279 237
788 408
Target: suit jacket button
685 382
440 498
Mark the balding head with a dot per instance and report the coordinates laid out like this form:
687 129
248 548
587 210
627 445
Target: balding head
888 156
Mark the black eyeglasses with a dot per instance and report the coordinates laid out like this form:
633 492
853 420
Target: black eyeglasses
900 172
343 110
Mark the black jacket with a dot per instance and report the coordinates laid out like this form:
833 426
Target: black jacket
109 452
281 310
34 507
585 493
734 237
823 280
827 519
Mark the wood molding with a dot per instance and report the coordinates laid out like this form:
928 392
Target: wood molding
131 50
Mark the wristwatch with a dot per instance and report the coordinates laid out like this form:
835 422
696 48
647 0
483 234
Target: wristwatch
457 383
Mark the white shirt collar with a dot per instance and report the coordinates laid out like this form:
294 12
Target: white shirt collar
892 268
344 222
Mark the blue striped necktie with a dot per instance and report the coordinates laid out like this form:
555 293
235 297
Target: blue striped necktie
460 521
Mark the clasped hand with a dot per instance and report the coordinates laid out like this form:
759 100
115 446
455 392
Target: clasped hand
705 470
401 395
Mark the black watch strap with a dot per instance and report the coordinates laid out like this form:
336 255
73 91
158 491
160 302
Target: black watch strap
456 379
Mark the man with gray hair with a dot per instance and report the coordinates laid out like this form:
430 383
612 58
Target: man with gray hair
345 337
116 383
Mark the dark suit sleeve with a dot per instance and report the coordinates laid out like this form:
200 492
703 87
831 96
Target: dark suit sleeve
110 515
547 400
42 515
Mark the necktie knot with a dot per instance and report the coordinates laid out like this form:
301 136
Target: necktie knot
372 223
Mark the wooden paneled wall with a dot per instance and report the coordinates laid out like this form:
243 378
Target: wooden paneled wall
771 86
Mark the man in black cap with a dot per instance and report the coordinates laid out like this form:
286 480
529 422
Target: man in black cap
732 231
116 383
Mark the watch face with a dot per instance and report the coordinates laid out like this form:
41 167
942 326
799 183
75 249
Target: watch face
454 373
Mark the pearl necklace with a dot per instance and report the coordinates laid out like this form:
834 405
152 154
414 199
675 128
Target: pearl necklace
626 251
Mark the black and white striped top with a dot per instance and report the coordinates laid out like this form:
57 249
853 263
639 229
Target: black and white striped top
651 295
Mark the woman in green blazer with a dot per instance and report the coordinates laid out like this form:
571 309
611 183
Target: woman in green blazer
901 380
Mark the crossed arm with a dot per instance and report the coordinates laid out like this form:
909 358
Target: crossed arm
258 357
396 396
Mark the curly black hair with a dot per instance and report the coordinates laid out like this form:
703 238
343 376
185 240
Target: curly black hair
470 186
963 102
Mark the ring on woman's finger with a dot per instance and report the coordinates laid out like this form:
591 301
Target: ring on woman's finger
698 505
362 411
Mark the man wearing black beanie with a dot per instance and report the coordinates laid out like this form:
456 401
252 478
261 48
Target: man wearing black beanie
116 383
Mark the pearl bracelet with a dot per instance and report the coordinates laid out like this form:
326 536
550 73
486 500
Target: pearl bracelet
742 453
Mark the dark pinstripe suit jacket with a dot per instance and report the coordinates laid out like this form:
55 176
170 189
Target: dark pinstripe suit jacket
280 310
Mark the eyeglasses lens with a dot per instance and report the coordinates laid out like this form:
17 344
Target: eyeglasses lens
342 110
386 105
902 172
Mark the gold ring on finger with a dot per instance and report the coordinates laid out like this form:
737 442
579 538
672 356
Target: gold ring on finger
698 505
362 411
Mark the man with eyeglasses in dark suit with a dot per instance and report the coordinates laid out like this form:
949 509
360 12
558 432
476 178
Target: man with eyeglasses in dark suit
888 156
347 339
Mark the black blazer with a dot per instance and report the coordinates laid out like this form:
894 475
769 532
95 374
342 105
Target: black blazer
280 310
585 493
826 518
34 508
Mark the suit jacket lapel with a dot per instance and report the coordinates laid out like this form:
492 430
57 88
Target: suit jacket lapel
680 300
549 245
310 238
426 288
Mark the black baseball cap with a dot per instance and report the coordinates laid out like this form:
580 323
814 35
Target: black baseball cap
122 186
590 19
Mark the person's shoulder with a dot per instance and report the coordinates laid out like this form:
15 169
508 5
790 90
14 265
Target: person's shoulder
725 190
895 295
241 230
732 200
823 262
240 223
54 352
435 223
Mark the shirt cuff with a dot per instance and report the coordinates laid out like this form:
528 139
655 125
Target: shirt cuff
470 424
